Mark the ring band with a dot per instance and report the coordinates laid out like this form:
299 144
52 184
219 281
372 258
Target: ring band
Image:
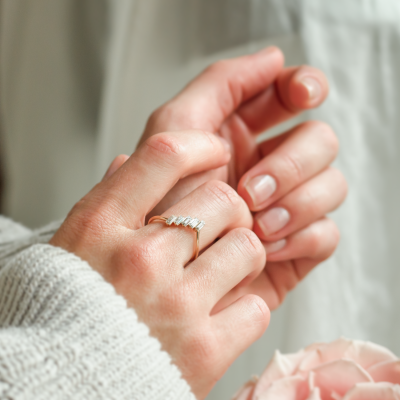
189 222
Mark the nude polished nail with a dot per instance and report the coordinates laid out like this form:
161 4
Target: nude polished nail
273 220
313 87
261 188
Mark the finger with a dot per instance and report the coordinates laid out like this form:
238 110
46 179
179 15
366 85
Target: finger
304 205
186 186
316 242
216 93
116 163
289 264
155 168
299 155
217 204
239 325
225 265
296 89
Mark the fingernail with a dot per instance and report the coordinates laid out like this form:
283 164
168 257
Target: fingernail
261 188
313 87
273 220
273 247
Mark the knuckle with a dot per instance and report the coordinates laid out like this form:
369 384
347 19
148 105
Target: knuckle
167 146
248 241
334 239
324 132
223 193
293 167
142 258
258 310
314 243
341 182
329 136
323 240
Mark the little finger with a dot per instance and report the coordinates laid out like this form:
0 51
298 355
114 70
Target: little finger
317 241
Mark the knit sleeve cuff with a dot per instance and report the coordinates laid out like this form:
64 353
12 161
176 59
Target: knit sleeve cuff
66 332
15 237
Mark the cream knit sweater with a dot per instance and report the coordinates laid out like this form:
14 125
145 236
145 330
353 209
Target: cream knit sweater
66 334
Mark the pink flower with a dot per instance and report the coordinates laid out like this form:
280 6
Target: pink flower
341 370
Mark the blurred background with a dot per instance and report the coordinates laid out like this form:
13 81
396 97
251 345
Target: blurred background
79 78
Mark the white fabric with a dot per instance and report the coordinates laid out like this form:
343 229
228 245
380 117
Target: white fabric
65 333
153 48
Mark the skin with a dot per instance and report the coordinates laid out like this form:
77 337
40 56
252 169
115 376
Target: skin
106 228
238 99
195 308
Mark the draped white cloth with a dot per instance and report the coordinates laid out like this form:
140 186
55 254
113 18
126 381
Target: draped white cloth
79 78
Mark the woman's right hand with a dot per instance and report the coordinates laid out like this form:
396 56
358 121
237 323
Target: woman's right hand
148 265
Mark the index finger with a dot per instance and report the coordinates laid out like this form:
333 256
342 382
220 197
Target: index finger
144 179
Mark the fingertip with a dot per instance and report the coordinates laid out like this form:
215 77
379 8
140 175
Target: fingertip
309 88
116 163
259 311
276 52
302 88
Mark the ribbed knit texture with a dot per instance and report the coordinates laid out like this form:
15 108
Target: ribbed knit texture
66 334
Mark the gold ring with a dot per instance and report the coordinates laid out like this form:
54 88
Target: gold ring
189 222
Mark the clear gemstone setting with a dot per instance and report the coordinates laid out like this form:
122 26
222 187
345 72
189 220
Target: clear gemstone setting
187 221
170 220
190 222
200 225
194 223
179 220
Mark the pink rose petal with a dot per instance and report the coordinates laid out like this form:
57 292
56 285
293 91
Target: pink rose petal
365 354
387 371
315 346
315 394
279 367
374 391
246 391
336 396
291 388
338 376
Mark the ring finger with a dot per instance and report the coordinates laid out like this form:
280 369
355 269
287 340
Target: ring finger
214 202
304 205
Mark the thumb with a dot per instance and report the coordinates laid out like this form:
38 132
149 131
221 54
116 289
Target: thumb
217 92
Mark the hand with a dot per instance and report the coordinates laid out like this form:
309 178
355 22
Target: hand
287 180
146 263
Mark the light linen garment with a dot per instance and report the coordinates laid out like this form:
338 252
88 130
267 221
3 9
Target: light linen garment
79 79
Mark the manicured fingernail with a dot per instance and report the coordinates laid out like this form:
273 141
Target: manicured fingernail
273 247
261 188
273 220
313 87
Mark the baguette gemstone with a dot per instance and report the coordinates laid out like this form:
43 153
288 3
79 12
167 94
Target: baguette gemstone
187 221
179 220
171 219
194 223
200 225
190 222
